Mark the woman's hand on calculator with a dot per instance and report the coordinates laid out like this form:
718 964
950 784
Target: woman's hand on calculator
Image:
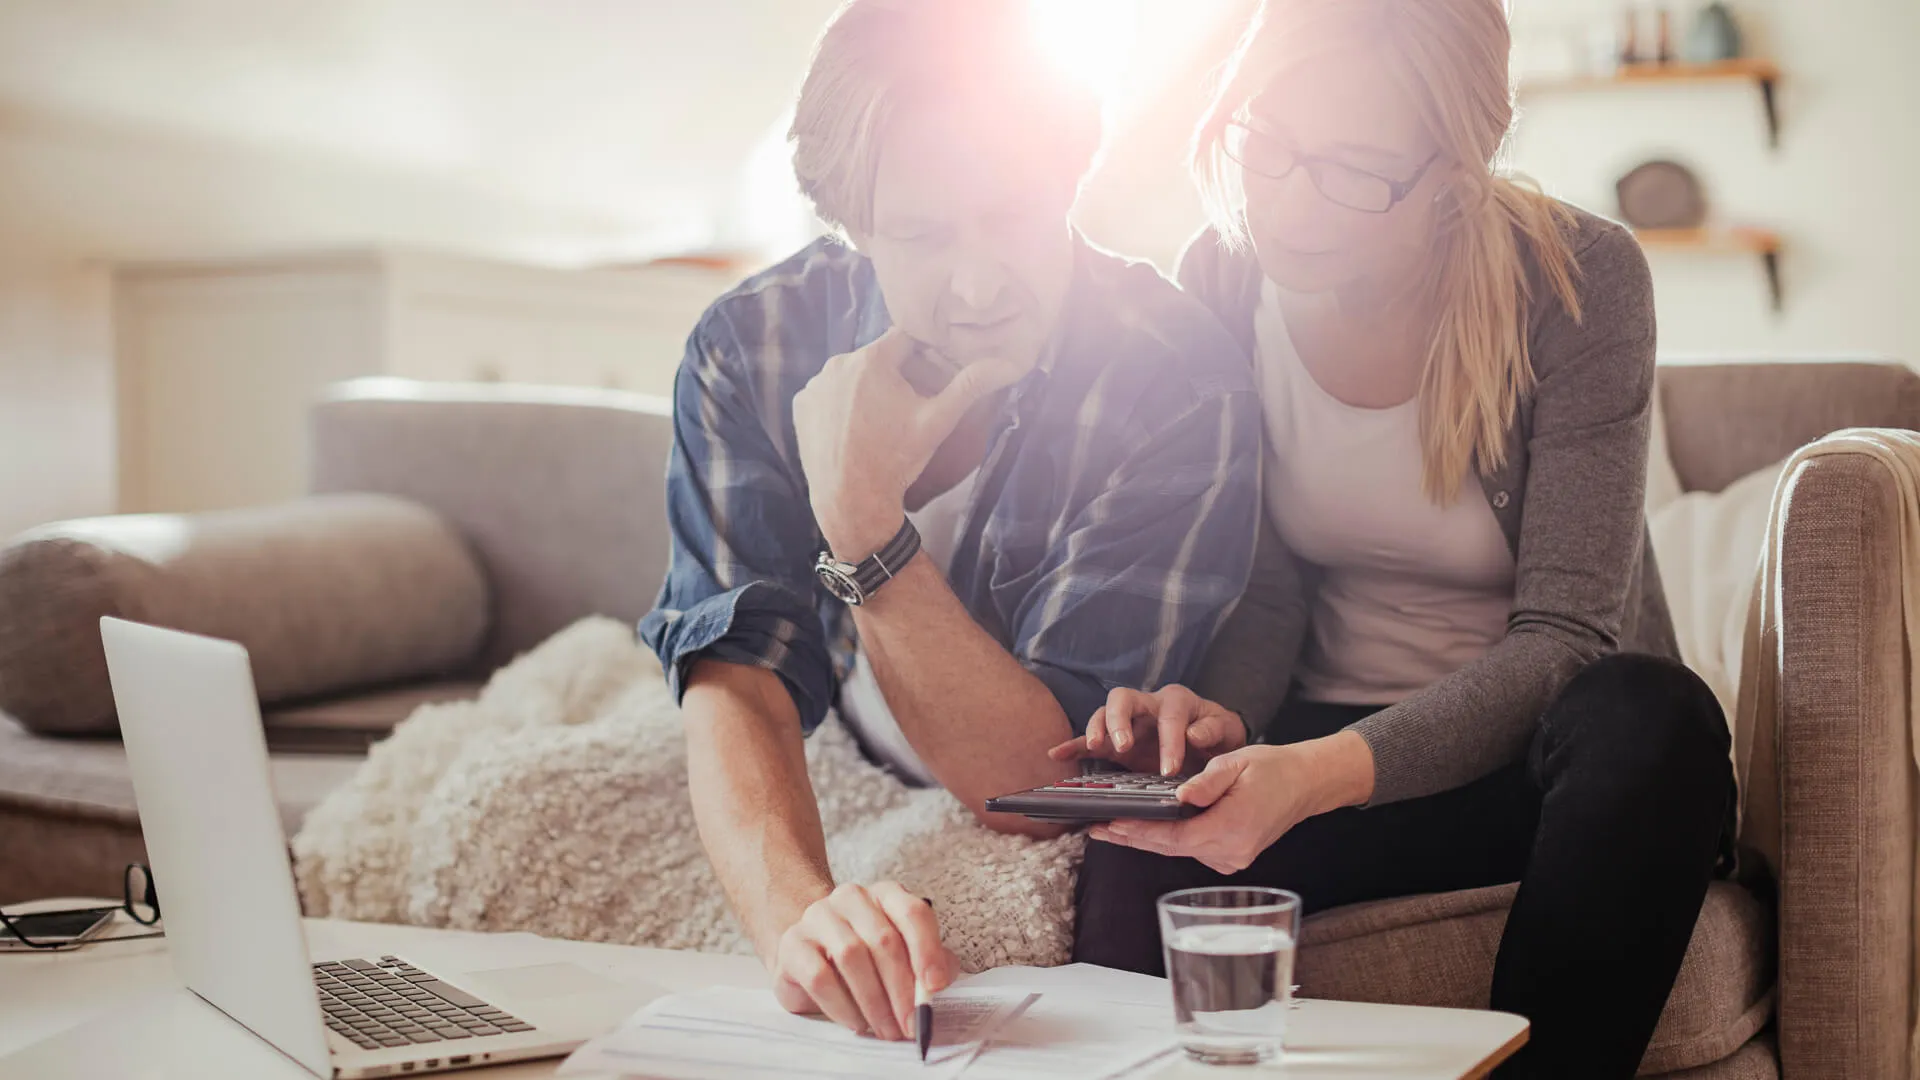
1169 731
1253 796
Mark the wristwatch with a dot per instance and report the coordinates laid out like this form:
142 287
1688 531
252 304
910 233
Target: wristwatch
855 583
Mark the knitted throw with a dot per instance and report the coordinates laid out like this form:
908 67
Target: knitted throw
557 803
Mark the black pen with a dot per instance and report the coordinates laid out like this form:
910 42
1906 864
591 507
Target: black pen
922 1018
922 1011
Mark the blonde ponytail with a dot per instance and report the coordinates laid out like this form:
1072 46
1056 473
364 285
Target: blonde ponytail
1451 56
1478 368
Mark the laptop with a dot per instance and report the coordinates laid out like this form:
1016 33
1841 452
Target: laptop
191 723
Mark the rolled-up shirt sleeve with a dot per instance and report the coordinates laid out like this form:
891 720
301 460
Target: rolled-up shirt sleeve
740 587
1141 581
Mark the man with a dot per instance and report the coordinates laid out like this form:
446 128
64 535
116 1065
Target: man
1077 441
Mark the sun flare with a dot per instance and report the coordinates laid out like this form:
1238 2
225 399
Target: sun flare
1091 40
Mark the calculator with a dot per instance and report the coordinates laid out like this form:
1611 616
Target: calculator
1099 793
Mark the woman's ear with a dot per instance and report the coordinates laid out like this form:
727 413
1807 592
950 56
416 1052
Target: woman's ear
1449 191
1448 178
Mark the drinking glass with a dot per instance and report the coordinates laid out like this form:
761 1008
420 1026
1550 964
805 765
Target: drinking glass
1230 964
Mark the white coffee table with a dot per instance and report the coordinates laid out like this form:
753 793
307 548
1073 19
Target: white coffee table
114 1010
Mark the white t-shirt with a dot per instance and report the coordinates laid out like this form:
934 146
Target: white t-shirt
862 706
1412 591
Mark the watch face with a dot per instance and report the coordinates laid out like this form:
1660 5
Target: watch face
840 584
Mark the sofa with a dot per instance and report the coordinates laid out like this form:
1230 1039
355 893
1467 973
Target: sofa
553 499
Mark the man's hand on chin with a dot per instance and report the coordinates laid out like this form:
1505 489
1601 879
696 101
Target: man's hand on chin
855 955
865 435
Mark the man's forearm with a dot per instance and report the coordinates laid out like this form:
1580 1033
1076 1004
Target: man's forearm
980 721
752 801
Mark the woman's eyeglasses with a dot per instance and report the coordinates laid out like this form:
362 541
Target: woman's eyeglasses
138 900
1343 185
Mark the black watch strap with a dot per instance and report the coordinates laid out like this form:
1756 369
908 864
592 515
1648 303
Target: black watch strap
855 583
878 568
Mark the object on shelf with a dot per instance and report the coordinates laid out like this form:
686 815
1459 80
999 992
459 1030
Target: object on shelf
1630 37
1661 195
1715 36
1739 240
1646 33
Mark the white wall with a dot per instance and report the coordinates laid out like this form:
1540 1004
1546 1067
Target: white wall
56 392
1839 188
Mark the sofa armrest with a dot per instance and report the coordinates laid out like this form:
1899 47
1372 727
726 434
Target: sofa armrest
327 594
1845 768
561 492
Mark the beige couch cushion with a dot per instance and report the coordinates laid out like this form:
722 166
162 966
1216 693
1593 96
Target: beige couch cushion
349 725
561 491
87 779
1725 420
1758 1060
1439 949
327 593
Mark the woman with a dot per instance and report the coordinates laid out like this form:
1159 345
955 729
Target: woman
1465 622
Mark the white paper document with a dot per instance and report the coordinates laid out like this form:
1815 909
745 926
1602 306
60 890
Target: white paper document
715 1034
1012 1023
1089 1022
1088 981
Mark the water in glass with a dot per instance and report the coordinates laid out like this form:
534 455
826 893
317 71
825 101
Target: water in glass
1230 967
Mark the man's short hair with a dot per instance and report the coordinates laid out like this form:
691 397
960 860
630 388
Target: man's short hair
879 59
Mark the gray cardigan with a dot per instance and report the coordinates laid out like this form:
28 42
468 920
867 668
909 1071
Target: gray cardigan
1569 499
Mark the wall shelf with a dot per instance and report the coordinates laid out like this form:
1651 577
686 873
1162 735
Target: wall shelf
1737 240
1764 74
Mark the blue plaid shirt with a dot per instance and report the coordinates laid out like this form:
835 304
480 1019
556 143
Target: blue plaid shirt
1109 532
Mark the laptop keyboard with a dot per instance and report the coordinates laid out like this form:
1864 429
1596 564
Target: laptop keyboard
392 1003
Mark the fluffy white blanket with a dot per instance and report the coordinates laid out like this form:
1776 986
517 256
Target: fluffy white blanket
1708 544
557 803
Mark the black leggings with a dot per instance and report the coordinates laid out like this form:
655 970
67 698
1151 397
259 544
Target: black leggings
1613 826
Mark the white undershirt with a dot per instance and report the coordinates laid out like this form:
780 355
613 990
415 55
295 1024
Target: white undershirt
862 706
1412 591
